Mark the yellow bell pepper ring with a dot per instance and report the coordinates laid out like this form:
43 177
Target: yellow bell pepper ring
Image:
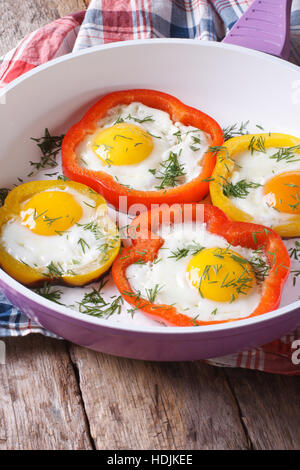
56 231
281 190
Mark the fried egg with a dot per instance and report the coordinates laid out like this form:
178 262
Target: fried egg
134 143
275 193
60 231
198 273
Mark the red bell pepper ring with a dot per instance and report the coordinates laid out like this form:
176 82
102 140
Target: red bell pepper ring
106 185
145 246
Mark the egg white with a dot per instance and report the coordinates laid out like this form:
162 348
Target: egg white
138 176
259 168
176 288
38 251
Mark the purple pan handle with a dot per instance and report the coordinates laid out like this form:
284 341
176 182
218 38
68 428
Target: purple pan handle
265 27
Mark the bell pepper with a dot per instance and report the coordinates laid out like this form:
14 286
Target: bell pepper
228 154
145 246
31 276
105 184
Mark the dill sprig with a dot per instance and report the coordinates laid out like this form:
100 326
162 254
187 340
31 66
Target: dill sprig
260 267
155 136
105 246
191 249
95 305
234 130
222 153
152 293
239 189
170 172
296 205
55 270
196 141
215 149
287 154
140 121
138 298
179 136
119 120
83 244
295 273
240 284
122 184
295 251
257 144
3 194
254 234
50 146
49 293
63 178
122 137
48 220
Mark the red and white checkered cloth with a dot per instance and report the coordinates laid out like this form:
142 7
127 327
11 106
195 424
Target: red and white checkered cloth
112 20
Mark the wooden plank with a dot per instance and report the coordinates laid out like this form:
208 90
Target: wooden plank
40 405
269 406
143 405
65 7
19 18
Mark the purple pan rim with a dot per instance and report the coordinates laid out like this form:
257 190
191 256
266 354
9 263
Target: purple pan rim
54 309
143 42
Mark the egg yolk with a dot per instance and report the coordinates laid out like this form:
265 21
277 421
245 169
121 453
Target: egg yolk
220 274
122 144
50 213
283 192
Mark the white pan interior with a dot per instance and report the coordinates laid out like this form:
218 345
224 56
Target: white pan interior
231 84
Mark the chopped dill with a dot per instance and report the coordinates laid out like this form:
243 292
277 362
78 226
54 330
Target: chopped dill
257 144
140 121
191 249
179 136
94 304
51 174
254 234
3 194
295 273
122 137
119 120
122 184
260 267
296 205
287 154
63 178
83 244
49 293
50 145
169 173
234 130
152 293
155 136
89 205
295 252
48 220
55 270
238 190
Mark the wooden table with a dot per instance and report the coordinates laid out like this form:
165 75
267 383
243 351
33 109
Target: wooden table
55 395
